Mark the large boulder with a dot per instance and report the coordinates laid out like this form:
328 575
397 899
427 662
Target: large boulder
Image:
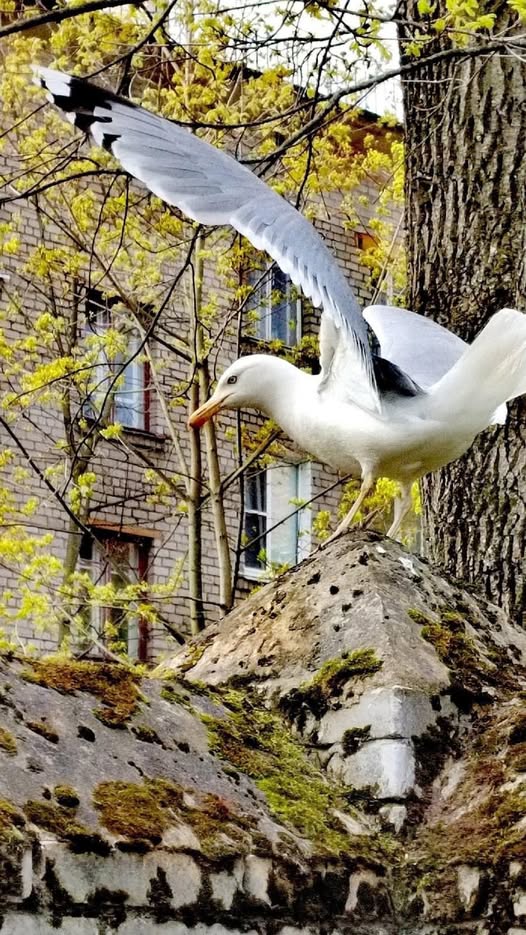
369 652
345 752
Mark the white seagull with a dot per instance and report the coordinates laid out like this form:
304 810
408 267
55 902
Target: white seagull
410 411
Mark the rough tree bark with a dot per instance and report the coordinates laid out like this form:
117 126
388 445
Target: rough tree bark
466 229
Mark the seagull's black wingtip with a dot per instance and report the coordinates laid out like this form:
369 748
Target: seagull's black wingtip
390 379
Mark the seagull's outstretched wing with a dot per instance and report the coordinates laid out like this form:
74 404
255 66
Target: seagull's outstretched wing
419 346
416 344
213 188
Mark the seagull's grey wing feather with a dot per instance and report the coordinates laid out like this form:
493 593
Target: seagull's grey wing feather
419 346
416 344
211 187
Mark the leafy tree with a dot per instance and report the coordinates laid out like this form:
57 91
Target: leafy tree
164 287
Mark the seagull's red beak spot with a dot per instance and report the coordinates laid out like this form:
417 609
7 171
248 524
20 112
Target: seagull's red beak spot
204 413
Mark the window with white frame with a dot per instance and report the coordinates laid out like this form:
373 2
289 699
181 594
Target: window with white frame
274 306
129 390
276 532
119 560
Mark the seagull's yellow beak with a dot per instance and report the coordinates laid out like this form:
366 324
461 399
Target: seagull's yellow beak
205 412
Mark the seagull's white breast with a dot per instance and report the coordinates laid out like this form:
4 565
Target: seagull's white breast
397 443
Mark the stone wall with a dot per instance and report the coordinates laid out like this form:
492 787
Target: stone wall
345 753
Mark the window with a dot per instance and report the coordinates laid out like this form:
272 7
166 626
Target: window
271 495
130 389
119 560
275 306
256 519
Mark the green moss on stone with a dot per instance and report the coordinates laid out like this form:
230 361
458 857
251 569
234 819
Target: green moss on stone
66 795
481 822
259 743
138 810
193 655
114 685
457 651
146 734
143 812
419 617
222 830
328 683
175 695
7 742
335 673
12 821
44 729
472 668
61 823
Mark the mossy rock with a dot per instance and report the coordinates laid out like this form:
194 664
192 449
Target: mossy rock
64 825
138 810
474 666
66 795
12 822
146 734
114 685
143 812
481 822
44 730
8 742
259 743
328 683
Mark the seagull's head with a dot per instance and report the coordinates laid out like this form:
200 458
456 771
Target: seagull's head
250 382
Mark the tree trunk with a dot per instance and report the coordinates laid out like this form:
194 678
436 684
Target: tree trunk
466 224
224 562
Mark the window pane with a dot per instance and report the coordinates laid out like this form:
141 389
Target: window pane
98 311
255 525
256 491
258 302
280 321
304 521
284 310
284 538
86 548
274 301
280 306
128 399
129 408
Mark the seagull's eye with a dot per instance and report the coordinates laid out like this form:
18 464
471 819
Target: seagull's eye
232 380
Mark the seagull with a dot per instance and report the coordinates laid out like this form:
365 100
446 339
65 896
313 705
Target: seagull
401 413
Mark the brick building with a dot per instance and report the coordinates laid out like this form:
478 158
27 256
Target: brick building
134 531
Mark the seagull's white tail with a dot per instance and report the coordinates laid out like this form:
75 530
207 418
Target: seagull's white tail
490 372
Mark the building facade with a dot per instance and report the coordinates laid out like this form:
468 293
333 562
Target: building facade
131 490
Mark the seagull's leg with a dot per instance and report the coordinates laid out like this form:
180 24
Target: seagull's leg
402 505
365 490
